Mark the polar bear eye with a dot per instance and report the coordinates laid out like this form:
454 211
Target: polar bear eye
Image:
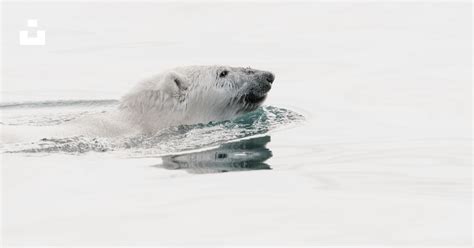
223 74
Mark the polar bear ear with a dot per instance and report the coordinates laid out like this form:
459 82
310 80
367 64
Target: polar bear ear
175 79
182 84
151 93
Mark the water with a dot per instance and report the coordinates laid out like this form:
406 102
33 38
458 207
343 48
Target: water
365 138
243 155
170 140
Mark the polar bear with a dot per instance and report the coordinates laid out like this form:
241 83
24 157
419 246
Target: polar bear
195 94
179 96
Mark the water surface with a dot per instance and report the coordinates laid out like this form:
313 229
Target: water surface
383 156
167 141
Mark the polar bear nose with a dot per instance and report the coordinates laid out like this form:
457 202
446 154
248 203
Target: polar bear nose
269 77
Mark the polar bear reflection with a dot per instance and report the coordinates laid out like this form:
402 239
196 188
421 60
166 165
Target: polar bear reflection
242 155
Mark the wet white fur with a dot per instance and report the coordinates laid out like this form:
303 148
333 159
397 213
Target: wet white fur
200 96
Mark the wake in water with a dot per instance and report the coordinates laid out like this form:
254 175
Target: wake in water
167 141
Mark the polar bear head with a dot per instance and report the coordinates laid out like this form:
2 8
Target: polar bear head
196 94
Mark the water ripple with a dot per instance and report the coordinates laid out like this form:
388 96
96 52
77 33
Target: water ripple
167 141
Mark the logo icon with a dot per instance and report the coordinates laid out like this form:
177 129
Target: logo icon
37 40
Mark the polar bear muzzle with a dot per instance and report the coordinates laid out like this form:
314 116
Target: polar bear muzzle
257 90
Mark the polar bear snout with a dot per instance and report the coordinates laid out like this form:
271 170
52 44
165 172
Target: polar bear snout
257 91
265 83
269 77
263 88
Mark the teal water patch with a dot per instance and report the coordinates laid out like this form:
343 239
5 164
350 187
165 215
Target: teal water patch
189 137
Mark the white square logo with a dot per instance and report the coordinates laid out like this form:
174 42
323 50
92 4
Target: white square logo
38 39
